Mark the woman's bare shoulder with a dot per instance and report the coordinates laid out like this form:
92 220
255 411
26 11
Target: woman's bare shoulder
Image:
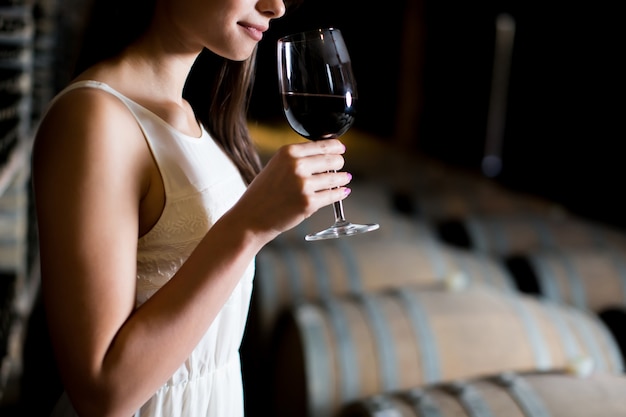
85 133
84 106
85 117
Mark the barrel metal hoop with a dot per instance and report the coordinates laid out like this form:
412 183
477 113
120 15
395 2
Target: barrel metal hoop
590 339
543 359
523 394
470 398
547 281
555 311
421 402
381 406
500 235
316 359
349 369
476 229
577 288
387 360
424 335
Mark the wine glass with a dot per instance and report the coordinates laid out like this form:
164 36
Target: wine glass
319 99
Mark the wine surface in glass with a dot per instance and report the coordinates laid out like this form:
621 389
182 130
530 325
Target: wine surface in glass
319 116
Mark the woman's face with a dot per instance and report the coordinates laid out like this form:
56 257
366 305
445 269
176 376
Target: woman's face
229 28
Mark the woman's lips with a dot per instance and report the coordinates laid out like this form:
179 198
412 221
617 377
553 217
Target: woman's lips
255 32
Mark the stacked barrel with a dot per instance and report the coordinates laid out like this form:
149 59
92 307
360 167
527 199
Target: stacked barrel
16 62
410 320
26 85
16 59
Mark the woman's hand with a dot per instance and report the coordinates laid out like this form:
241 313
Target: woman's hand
298 180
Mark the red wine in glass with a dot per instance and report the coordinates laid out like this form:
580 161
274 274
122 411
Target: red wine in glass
319 116
319 99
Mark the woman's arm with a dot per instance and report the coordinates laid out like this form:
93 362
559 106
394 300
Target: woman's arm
91 173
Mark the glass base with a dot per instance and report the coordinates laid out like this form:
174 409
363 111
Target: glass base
341 229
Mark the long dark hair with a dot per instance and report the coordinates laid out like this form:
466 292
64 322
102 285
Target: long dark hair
222 105
218 89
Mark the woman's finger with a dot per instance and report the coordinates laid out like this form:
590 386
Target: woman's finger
326 197
327 181
318 164
320 147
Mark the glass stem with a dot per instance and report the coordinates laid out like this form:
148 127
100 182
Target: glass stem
340 219
339 216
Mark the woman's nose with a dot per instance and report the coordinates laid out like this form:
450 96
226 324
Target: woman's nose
272 8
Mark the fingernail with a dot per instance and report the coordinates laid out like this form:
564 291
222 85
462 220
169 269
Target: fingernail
347 191
349 176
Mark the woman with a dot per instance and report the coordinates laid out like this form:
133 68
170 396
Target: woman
151 207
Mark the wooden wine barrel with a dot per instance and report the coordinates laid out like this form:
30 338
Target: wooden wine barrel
504 395
288 274
331 353
518 234
591 278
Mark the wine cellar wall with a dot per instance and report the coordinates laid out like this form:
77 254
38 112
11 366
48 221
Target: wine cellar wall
27 31
37 45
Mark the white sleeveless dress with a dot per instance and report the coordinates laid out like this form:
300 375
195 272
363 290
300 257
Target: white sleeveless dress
201 183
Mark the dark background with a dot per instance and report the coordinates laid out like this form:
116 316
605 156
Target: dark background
565 109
